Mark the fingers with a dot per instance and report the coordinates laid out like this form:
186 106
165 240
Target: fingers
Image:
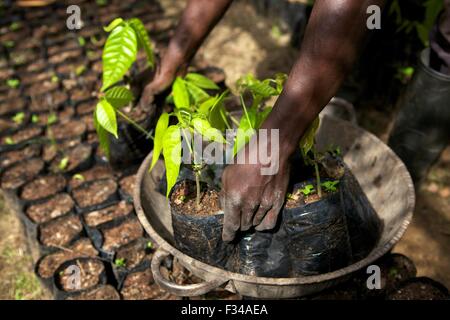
262 211
247 214
232 220
270 219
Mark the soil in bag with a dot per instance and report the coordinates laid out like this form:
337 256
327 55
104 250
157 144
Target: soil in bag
315 232
198 230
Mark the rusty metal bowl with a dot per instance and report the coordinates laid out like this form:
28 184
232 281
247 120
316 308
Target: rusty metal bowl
380 173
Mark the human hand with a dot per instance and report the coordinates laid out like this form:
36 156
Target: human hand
250 198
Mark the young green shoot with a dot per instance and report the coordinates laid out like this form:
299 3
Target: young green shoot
197 113
18 118
120 263
125 38
308 190
330 186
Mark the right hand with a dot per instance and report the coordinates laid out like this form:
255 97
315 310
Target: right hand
159 82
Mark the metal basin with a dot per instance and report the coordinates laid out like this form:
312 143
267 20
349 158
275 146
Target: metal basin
380 173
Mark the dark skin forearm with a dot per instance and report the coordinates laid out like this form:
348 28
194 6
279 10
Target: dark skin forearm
331 44
332 41
198 19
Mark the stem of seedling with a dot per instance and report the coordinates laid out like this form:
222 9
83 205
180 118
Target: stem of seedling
197 185
245 110
316 169
135 124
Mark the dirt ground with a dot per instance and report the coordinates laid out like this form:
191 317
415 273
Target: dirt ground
244 43
18 280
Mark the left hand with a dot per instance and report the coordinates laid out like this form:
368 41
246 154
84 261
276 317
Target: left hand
250 198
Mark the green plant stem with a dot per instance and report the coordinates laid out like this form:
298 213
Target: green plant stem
234 120
135 124
197 185
245 111
316 169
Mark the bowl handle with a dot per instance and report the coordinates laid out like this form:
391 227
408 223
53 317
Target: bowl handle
187 290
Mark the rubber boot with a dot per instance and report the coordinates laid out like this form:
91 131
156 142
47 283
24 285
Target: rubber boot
422 128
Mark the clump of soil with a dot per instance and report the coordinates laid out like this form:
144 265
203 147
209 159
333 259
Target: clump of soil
103 292
11 157
141 286
55 207
50 151
12 106
48 101
127 185
90 271
50 263
137 113
64 56
23 135
97 172
86 108
183 199
420 289
60 232
43 187
76 157
73 128
94 193
79 94
134 253
98 217
21 173
41 88
298 198
122 234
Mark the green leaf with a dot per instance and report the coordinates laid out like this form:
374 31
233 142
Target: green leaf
203 127
63 163
161 127
106 117
262 89
78 176
143 39
172 155
118 55
81 41
198 95
34 118
218 115
102 134
80 70
113 24
307 141
245 130
19 117
120 263
206 106
13 83
201 81
262 116
52 118
119 97
180 94
242 138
